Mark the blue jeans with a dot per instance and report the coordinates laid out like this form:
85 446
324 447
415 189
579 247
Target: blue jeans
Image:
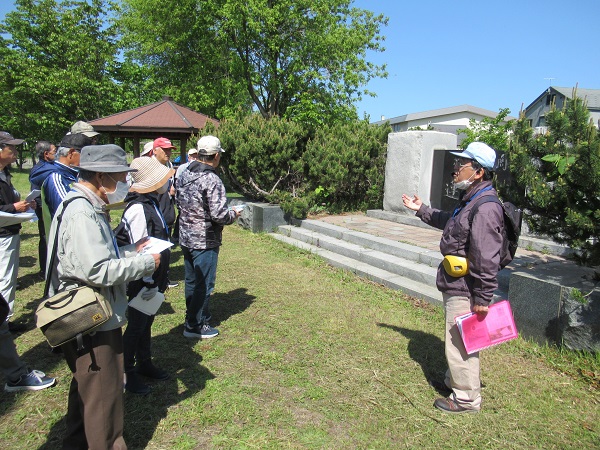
200 274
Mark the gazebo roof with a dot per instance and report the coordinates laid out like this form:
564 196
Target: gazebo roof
156 119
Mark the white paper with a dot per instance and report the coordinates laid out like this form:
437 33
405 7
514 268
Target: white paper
7 219
35 193
155 245
149 307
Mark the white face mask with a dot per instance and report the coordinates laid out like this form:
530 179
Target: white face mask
119 194
164 188
464 184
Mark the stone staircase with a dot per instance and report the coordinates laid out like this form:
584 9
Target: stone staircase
394 264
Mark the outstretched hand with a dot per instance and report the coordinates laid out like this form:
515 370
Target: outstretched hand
413 203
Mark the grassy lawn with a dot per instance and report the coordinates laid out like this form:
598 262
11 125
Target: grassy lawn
311 357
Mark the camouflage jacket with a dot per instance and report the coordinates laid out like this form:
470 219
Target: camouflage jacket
203 209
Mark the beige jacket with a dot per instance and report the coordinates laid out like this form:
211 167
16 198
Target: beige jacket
87 254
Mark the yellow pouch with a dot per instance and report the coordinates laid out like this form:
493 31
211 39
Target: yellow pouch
456 266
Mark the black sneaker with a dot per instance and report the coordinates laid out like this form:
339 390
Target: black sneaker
35 380
200 332
135 385
172 284
149 370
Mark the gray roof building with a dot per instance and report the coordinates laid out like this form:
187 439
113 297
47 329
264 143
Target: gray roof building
537 110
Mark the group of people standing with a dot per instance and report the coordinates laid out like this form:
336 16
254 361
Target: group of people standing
81 182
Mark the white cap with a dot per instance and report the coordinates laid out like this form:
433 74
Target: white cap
148 146
209 145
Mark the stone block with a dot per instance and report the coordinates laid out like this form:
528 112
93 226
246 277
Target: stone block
557 303
262 217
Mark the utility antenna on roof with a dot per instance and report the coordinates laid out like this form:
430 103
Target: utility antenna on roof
550 80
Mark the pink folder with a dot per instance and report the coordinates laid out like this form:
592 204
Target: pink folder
479 332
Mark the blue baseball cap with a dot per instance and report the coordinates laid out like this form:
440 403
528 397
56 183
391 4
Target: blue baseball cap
480 152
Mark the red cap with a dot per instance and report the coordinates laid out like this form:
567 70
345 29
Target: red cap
162 143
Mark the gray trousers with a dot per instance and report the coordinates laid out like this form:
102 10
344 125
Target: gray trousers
9 268
10 364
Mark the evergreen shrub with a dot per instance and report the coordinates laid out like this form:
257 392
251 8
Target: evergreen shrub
335 168
558 170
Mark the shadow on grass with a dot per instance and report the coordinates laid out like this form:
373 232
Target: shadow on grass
425 349
28 261
28 280
176 355
223 305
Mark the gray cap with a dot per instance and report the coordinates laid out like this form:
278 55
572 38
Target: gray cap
7 138
76 141
108 158
83 128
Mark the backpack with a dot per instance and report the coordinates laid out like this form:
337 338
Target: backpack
513 218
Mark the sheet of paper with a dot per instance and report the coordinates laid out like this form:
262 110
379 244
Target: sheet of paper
7 219
149 307
35 193
156 245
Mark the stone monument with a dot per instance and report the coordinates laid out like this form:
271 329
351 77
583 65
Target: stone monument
415 165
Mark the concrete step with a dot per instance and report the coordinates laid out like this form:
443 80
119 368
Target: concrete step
526 241
424 291
388 246
401 250
397 265
405 267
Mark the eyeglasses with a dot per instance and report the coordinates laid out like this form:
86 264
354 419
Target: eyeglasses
460 163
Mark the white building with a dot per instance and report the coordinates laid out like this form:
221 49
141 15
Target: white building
446 119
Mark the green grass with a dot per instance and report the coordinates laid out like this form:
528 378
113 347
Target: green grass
312 357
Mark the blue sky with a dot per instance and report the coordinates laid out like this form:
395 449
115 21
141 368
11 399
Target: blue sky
489 54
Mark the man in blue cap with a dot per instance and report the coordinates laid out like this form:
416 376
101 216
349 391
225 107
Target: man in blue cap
479 242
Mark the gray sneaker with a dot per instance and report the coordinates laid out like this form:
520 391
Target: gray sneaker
200 331
35 380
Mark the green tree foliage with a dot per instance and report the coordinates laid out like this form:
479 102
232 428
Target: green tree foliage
346 165
179 43
494 132
59 66
560 173
298 59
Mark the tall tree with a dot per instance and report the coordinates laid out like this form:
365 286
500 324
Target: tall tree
60 65
559 171
177 43
299 59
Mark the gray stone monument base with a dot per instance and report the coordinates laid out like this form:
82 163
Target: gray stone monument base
260 217
557 303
